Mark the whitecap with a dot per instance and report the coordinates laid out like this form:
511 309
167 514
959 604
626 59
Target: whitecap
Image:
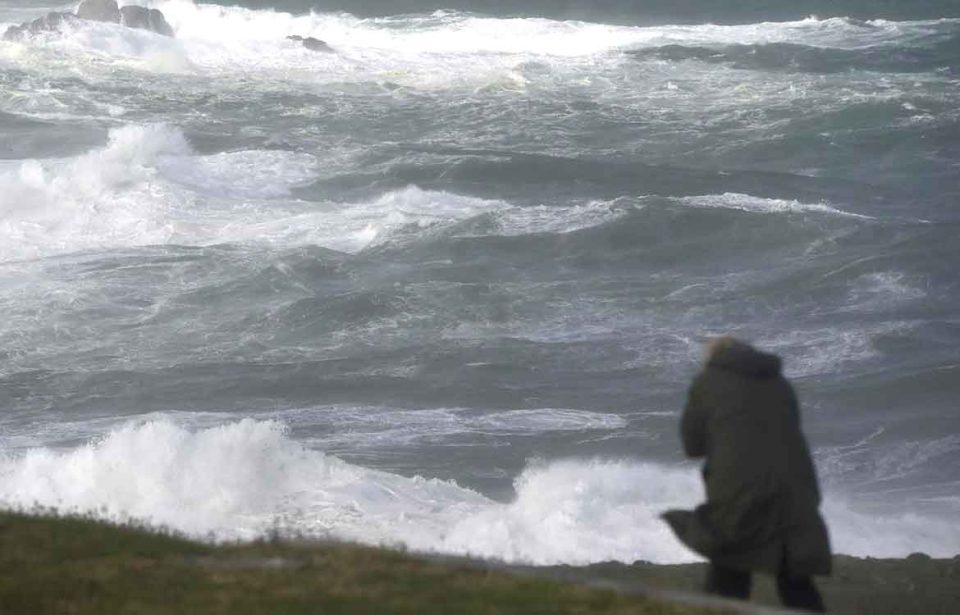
755 204
244 479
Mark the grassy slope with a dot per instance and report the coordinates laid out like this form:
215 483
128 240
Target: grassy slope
68 565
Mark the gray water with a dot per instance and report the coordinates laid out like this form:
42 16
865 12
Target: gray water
446 287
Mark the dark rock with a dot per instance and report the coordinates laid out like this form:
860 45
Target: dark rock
99 10
51 22
313 44
95 10
140 17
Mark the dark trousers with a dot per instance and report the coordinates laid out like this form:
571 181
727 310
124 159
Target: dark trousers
795 592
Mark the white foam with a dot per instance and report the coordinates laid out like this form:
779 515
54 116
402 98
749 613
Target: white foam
827 350
401 215
747 202
558 219
835 32
450 32
240 175
112 40
882 290
419 51
142 189
364 427
101 198
147 187
868 462
211 29
341 426
411 213
892 535
243 479
582 511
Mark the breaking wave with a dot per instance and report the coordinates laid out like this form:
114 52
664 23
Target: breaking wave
241 480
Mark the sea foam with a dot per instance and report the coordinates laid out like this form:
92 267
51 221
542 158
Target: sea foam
424 51
243 479
147 186
452 32
755 204
106 197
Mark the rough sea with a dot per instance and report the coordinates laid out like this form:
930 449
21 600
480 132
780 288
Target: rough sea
445 288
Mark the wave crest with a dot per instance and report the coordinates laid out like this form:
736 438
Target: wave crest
243 479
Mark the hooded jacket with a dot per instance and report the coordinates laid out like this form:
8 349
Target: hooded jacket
762 502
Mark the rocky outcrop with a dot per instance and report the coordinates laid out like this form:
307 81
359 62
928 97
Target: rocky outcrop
107 11
99 10
134 16
313 44
51 22
131 16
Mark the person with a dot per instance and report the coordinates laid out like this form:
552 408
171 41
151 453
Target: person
761 513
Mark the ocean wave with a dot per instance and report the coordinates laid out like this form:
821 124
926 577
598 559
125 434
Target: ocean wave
357 427
889 462
936 52
746 202
100 198
147 186
820 351
432 49
244 479
144 187
453 32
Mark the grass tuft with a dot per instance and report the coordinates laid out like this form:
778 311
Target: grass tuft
75 564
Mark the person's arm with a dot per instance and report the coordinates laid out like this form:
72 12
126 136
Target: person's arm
693 423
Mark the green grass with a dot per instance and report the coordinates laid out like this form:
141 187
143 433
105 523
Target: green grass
52 564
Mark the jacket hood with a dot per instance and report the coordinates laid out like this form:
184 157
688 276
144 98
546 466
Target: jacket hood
746 360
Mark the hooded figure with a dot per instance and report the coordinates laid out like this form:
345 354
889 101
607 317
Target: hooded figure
761 512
